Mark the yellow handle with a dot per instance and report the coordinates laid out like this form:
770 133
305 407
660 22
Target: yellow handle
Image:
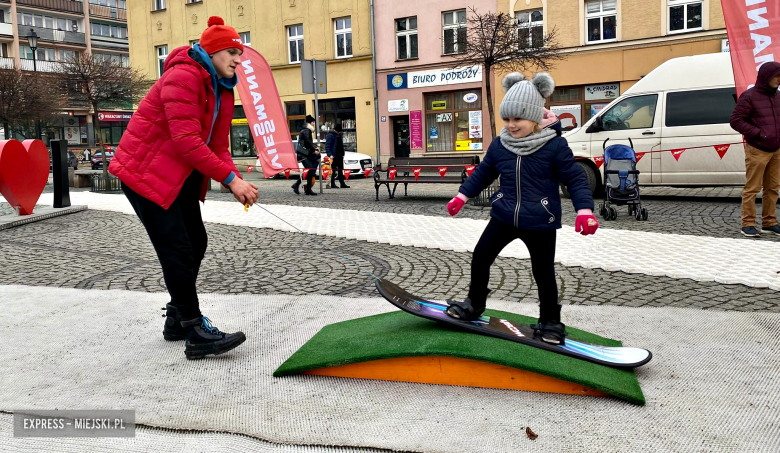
246 207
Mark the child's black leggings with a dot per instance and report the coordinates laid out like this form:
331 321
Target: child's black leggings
541 246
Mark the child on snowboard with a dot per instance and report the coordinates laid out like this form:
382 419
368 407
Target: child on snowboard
531 162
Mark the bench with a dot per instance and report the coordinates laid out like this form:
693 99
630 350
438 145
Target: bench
404 169
83 178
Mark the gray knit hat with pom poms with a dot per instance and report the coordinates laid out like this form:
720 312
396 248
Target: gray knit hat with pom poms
524 99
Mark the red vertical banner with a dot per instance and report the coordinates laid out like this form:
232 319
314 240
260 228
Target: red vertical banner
415 129
753 28
265 113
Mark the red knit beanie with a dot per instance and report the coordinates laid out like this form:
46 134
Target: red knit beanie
219 37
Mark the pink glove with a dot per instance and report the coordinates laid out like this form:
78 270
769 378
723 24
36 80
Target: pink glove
454 206
586 222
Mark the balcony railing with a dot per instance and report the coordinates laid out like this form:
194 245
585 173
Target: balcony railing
54 36
6 63
71 6
40 65
106 12
6 29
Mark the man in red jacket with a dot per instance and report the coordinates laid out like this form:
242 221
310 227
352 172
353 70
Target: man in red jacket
174 145
757 117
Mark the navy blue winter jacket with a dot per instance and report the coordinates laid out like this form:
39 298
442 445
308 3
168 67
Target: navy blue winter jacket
334 145
535 178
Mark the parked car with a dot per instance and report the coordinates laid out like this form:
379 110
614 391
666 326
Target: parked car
97 159
355 162
683 103
73 161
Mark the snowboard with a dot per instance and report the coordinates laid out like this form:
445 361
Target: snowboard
616 357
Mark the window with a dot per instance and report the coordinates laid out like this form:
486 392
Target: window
406 38
241 142
530 26
447 120
636 112
245 38
454 31
692 108
24 19
162 54
61 25
158 5
343 37
295 43
48 22
25 52
38 21
4 50
685 15
601 21
339 111
296 117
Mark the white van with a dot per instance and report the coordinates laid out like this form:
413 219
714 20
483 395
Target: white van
683 103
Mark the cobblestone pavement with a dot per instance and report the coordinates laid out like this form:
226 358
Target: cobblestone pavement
66 252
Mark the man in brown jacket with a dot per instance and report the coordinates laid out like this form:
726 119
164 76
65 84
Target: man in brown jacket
757 117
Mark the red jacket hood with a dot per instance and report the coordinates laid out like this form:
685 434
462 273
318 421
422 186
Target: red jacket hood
180 55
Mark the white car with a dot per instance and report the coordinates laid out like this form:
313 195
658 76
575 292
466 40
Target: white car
356 163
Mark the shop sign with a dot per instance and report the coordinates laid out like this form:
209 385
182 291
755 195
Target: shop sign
470 98
724 45
444 117
475 124
415 129
475 146
437 77
433 134
569 115
400 105
439 105
114 116
384 119
603 91
240 122
396 81
462 145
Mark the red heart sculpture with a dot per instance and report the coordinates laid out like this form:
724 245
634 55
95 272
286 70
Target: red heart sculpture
24 170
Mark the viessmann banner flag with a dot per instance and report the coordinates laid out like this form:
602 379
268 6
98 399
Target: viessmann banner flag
265 114
753 27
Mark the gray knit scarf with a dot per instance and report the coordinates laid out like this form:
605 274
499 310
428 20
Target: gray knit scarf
526 145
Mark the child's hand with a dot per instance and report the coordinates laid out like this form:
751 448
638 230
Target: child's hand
455 205
586 222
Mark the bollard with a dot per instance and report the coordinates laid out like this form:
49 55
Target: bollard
59 169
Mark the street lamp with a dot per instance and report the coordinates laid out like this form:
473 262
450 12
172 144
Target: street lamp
32 41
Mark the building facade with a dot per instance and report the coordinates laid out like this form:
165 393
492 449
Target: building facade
66 28
427 105
609 45
284 32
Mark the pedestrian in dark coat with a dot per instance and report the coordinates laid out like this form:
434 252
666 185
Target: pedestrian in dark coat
334 147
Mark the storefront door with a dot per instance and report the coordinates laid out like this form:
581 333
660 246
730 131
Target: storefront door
401 136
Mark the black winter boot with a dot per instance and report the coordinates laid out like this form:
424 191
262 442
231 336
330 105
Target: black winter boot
552 332
295 187
204 339
173 331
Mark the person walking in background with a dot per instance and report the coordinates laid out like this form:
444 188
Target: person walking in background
757 117
334 147
308 155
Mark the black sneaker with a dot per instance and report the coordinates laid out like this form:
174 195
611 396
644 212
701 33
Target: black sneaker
751 232
344 186
773 229
204 339
552 332
295 188
173 331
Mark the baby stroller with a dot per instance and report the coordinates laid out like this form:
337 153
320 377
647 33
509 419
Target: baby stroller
621 186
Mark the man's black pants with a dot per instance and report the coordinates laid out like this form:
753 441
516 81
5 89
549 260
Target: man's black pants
541 246
179 238
337 165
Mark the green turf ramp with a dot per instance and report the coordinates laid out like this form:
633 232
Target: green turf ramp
398 334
